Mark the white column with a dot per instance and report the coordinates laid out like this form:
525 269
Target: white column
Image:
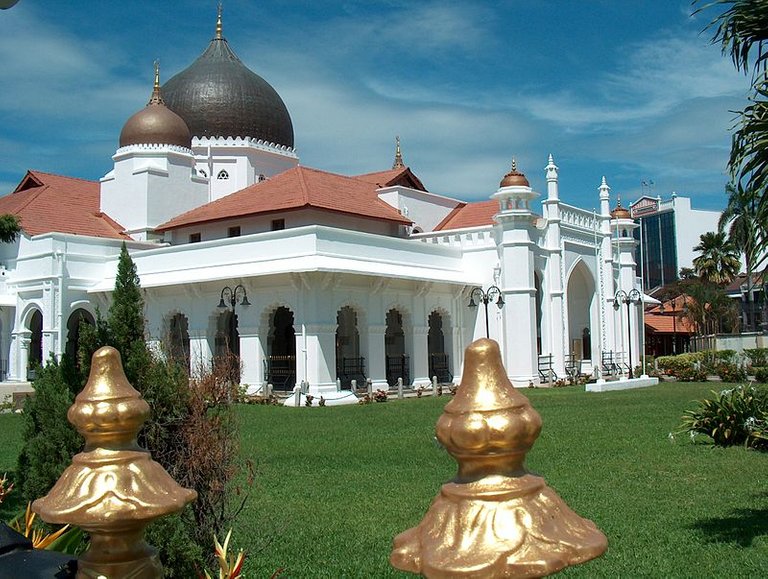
377 370
321 357
252 373
420 360
200 354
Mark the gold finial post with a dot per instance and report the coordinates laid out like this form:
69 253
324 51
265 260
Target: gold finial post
494 519
218 22
113 489
398 164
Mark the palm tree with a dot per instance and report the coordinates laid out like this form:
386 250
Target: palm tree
742 32
718 261
746 232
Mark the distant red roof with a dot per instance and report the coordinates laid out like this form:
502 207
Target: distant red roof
402 176
47 203
666 324
297 188
470 215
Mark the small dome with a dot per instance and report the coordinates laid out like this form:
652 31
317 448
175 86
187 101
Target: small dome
514 178
620 212
218 96
156 124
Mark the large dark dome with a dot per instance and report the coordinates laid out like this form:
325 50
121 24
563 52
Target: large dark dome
218 96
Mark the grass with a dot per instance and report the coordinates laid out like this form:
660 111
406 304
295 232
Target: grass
335 485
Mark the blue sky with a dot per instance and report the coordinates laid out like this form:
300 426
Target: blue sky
632 90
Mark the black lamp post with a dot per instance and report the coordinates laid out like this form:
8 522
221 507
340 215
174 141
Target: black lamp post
232 296
627 298
485 297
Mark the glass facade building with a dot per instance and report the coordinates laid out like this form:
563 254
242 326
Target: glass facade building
656 255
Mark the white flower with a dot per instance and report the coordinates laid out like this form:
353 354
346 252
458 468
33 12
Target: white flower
671 437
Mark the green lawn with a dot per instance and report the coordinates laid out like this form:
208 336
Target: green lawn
335 485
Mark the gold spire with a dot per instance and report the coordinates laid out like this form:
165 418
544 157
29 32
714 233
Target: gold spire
495 518
113 489
398 164
218 23
156 98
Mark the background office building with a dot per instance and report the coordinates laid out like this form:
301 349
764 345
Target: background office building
668 232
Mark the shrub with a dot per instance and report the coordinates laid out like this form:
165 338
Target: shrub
730 372
686 367
734 416
757 356
50 441
761 374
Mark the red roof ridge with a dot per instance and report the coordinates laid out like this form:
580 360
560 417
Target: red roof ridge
36 172
303 185
450 215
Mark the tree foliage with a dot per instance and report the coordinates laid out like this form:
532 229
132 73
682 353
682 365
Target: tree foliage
50 440
718 260
742 31
10 228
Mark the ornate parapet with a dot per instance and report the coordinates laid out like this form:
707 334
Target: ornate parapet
113 489
494 519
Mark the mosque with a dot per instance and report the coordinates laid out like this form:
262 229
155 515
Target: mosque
306 275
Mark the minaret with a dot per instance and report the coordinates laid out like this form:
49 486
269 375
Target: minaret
398 164
515 234
606 288
554 340
623 227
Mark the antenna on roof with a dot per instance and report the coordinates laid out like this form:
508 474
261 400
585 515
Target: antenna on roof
398 164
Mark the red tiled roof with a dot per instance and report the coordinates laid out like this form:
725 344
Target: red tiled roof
402 176
297 188
470 215
666 324
48 203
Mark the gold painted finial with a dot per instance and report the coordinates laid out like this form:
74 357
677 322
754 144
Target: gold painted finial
494 519
113 489
218 22
398 164
156 98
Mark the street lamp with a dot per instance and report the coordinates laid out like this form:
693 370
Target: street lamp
485 297
232 297
627 298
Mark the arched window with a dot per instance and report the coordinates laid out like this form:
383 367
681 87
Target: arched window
222 175
74 324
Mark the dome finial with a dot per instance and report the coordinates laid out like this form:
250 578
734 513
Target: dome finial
398 164
218 23
156 98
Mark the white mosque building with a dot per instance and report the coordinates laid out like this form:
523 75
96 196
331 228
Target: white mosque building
305 274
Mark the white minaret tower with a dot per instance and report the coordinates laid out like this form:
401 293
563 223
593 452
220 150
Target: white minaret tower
515 246
607 285
627 315
554 282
